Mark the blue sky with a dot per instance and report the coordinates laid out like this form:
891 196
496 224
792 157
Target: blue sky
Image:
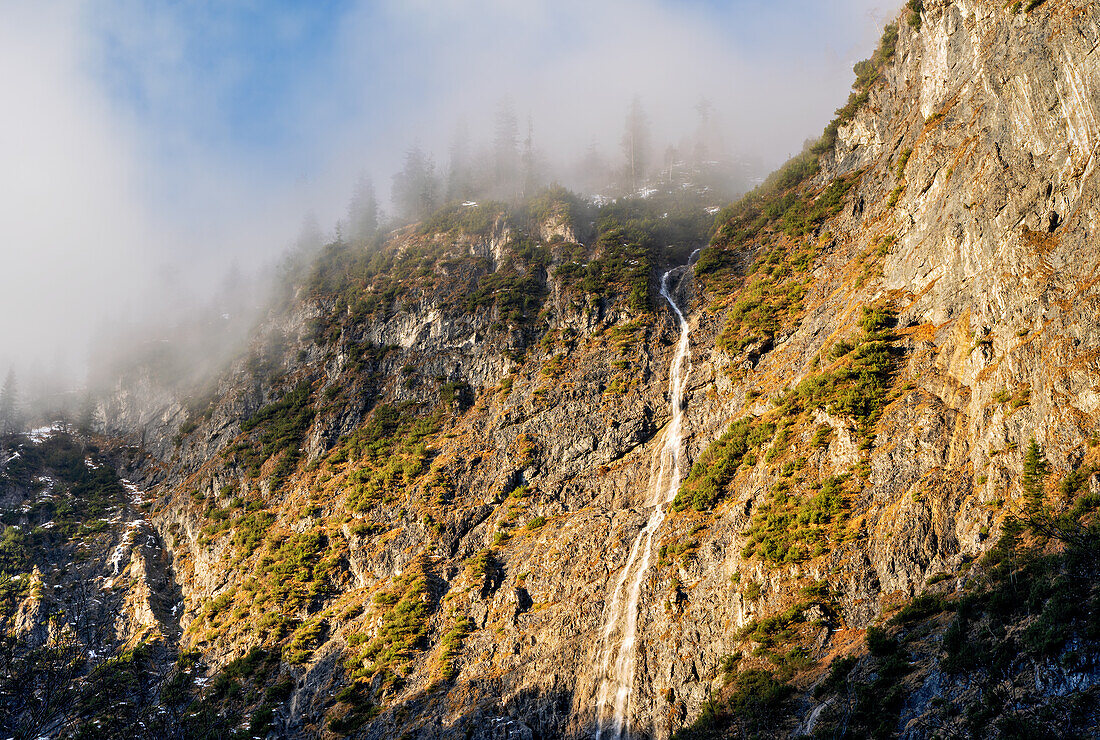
230 76
272 85
156 142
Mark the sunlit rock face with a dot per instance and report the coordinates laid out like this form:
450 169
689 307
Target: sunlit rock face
462 573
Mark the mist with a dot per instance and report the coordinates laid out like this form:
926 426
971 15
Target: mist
160 159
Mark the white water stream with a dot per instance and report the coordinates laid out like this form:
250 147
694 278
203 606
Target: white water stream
618 656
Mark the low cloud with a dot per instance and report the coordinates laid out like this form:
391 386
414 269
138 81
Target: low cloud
150 146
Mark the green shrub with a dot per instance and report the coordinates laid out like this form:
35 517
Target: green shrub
792 528
387 454
458 219
517 296
915 7
305 639
356 707
249 531
624 265
481 566
404 624
879 643
755 706
919 608
706 484
281 426
903 159
758 697
451 645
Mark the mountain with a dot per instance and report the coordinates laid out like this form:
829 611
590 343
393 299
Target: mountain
545 471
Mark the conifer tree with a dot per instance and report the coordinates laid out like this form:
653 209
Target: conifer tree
531 174
460 175
363 211
636 144
10 419
1035 470
506 148
416 187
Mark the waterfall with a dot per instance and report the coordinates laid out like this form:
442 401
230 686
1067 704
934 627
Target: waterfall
618 657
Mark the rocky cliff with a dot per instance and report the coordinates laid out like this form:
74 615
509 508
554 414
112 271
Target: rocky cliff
407 509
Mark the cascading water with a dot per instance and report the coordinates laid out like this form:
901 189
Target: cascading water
617 657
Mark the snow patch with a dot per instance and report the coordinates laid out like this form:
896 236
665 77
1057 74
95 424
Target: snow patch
41 434
137 496
124 546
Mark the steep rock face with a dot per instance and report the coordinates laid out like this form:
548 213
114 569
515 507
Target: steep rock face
971 218
986 125
143 410
86 575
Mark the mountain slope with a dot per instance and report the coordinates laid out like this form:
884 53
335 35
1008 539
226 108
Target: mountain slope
418 489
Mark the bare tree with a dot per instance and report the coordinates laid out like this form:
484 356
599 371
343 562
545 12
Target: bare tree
38 685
